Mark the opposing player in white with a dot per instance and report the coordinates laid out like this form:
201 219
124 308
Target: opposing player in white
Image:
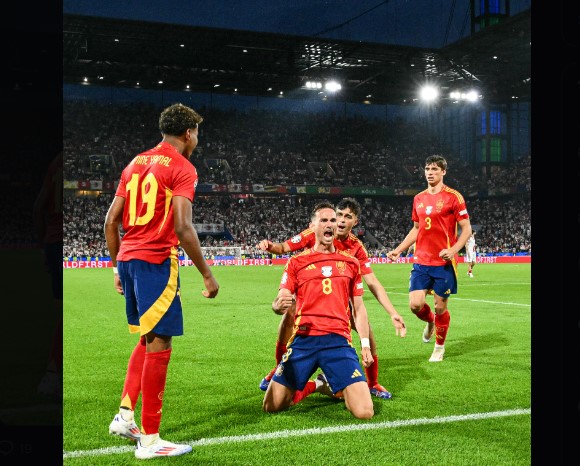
470 254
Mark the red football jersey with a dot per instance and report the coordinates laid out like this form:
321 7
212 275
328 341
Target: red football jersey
437 215
352 245
323 284
148 185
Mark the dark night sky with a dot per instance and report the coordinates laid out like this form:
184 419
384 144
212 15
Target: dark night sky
421 23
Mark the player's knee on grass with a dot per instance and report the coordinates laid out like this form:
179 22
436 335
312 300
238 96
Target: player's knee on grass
277 398
358 400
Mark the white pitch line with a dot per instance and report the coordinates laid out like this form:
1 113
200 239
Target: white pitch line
478 301
492 302
315 431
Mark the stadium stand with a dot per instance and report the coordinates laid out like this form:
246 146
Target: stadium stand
273 147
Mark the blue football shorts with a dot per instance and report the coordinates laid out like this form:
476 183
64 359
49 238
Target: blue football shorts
152 296
439 278
333 353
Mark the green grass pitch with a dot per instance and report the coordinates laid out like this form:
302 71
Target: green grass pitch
471 409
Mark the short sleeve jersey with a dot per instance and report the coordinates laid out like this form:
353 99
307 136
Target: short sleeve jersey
437 215
148 184
323 285
352 245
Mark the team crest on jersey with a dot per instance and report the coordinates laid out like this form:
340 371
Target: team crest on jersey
296 239
440 203
327 271
429 209
341 266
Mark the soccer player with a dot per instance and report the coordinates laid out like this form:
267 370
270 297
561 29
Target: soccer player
323 281
437 211
470 254
153 203
348 211
48 218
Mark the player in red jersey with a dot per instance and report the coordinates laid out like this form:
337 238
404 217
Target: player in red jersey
153 203
321 282
348 211
48 218
437 213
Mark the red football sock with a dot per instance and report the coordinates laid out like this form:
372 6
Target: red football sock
271 373
441 327
280 350
372 372
301 394
153 385
132 387
425 314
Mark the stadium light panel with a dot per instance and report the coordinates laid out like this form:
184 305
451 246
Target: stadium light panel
428 93
332 86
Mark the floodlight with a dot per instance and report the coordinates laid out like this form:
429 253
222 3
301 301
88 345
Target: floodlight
332 86
428 93
471 96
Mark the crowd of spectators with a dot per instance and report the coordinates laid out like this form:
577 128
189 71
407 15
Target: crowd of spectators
503 224
264 146
273 147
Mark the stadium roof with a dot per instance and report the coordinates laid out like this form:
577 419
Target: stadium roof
122 53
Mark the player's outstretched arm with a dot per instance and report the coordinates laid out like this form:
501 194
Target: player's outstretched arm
190 243
405 244
449 254
274 248
363 329
113 220
382 297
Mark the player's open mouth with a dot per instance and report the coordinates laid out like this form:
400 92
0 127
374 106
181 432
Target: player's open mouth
328 234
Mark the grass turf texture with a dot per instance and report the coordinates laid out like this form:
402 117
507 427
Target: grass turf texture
212 400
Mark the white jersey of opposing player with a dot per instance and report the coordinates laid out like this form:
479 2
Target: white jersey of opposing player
470 250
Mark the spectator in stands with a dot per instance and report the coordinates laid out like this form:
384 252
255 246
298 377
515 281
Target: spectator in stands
273 153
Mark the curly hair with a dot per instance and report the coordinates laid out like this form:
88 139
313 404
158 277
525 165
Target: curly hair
177 119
